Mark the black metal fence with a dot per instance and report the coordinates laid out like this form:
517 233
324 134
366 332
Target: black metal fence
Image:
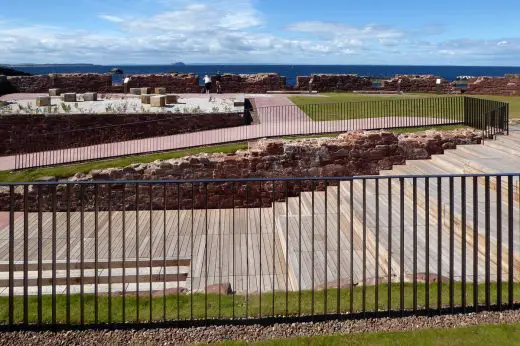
253 250
49 149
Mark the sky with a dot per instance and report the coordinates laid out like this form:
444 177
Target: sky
401 32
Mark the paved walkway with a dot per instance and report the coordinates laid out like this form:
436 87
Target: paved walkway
283 120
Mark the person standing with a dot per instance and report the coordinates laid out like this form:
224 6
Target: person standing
207 83
311 82
218 83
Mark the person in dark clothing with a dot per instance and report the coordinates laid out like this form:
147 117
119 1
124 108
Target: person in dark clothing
218 83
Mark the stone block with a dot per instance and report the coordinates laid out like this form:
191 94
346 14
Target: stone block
160 91
145 99
54 92
42 101
69 97
135 91
146 91
90 97
158 101
170 98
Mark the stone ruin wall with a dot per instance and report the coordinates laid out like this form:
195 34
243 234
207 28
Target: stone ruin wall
352 153
417 83
252 83
333 82
508 86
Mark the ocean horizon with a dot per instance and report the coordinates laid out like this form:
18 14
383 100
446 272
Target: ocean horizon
289 71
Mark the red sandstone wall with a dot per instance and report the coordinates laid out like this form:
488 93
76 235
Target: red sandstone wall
333 82
494 86
416 83
250 83
71 82
36 132
173 82
353 153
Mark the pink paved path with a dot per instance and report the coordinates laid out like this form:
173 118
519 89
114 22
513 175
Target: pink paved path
283 122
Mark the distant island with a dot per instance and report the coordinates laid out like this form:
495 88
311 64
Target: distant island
7 71
179 64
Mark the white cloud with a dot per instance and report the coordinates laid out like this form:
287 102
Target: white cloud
111 18
235 31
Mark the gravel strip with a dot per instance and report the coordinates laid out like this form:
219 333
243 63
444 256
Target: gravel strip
173 336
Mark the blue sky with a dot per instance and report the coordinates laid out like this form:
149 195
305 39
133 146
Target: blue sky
440 32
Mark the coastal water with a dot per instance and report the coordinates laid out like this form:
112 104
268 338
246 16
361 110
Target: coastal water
289 71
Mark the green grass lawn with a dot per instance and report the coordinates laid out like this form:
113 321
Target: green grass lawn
478 335
337 106
402 105
223 306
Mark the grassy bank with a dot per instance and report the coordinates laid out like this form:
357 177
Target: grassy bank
240 306
64 171
477 335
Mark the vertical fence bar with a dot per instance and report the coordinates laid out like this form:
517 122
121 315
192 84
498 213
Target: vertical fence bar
137 243
498 189
414 236
427 243
53 256
351 296
439 244
463 255
475 244
488 245
11 256
510 234
452 245
376 293
274 247
401 246
123 251
96 253
364 245
82 255
150 242
325 295
26 257
389 299
338 258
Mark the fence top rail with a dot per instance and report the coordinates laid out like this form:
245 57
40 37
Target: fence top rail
252 180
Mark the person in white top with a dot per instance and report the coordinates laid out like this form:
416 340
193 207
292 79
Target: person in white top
207 83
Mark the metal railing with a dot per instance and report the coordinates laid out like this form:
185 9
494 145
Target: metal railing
256 250
325 118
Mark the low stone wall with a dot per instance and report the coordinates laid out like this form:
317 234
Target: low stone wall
173 82
416 83
509 86
70 82
353 153
250 83
333 82
37 132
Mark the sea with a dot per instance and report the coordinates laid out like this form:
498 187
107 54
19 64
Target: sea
290 71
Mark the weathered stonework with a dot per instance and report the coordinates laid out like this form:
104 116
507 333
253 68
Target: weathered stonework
352 153
509 86
333 82
416 83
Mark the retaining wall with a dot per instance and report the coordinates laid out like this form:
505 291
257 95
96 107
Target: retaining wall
352 153
37 132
